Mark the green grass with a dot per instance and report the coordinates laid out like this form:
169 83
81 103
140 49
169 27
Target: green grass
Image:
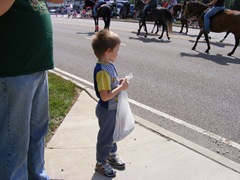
62 95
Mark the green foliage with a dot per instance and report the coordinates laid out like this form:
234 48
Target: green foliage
62 95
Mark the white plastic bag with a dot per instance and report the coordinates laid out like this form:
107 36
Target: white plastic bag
124 118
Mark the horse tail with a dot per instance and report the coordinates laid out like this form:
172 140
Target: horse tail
168 16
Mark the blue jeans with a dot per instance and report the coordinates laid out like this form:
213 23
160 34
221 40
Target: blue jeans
106 122
210 13
24 121
146 9
96 7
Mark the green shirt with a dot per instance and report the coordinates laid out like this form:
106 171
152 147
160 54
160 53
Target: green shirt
25 39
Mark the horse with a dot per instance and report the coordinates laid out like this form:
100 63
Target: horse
103 11
177 9
224 21
161 16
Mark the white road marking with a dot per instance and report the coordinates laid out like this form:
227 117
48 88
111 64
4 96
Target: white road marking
90 38
162 114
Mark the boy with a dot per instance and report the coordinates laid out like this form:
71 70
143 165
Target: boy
106 45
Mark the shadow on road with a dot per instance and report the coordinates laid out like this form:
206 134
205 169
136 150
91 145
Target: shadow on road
217 58
150 38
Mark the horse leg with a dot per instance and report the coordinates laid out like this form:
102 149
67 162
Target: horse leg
198 37
153 27
96 24
186 23
155 24
140 27
236 45
158 26
105 23
108 22
145 28
166 27
163 29
182 25
207 40
225 36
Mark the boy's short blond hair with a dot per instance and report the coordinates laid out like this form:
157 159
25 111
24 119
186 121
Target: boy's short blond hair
104 40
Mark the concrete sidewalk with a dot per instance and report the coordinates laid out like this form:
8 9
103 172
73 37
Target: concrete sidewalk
150 152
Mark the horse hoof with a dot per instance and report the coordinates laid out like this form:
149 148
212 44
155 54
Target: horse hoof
229 54
168 38
193 48
207 51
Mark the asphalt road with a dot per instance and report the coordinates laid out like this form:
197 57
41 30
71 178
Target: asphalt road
191 93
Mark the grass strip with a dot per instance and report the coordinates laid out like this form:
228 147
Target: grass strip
62 95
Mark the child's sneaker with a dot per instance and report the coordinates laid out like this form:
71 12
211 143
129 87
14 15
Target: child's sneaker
105 169
116 162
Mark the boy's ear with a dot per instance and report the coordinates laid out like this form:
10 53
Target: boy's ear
108 50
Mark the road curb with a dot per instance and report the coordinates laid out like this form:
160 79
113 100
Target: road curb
163 132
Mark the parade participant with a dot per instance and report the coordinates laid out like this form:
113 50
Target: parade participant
98 3
150 5
217 5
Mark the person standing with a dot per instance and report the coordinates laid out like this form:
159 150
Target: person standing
107 87
26 54
217 5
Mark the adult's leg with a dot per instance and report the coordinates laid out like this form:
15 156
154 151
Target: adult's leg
209 14
16 97
38 128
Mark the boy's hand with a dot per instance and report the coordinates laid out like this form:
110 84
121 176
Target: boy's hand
124 84
121 80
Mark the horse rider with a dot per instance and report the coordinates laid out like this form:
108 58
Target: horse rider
150 5
217 5
171 4
98 3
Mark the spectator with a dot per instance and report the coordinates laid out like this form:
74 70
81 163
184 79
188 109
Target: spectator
26 54
107 86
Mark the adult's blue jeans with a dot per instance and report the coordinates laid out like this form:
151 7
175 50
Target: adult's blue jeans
214 10
24 121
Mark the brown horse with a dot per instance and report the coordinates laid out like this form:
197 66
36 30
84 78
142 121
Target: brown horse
161 16
177 9
224 21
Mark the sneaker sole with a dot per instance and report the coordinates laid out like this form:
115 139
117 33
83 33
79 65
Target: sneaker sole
121 168
96 169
